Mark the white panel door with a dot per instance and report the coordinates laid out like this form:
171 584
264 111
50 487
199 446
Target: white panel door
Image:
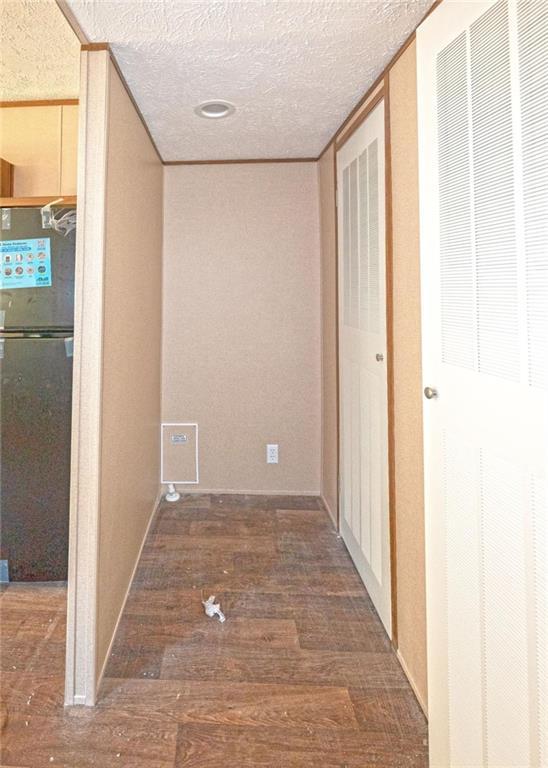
483 148
362 347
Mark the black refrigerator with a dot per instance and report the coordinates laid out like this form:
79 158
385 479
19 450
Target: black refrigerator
36 340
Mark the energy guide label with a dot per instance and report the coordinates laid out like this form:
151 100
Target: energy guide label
25 263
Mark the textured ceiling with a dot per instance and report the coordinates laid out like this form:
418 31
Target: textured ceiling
293 68
39 52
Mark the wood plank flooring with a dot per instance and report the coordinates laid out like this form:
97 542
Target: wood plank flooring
300 675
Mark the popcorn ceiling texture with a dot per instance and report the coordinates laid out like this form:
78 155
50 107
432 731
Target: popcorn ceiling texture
293 68
39 52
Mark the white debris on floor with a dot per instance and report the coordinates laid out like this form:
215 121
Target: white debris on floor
212 608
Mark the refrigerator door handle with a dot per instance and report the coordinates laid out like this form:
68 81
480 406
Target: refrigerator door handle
32 334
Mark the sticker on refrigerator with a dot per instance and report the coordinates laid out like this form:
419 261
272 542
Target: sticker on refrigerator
25 263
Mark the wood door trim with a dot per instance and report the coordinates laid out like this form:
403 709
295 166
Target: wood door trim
362 118
367 95
29 202
39 103
390 362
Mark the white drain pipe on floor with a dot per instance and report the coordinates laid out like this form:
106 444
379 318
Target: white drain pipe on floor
172 493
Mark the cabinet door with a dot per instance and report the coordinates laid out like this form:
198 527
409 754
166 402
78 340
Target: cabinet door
30 139
41 144
69 149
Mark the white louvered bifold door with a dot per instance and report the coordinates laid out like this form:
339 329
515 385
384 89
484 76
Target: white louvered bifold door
483 149
362 345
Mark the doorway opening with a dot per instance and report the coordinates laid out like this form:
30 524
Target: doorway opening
38 145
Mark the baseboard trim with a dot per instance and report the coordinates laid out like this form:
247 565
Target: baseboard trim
408 675
135 565
236 492
329 511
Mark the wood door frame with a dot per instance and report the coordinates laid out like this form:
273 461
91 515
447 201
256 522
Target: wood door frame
382 94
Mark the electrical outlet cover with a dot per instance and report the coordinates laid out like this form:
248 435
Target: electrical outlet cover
272 453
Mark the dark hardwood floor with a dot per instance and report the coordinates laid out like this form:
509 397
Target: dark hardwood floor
300 675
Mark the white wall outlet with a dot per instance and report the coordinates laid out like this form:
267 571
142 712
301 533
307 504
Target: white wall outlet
272 453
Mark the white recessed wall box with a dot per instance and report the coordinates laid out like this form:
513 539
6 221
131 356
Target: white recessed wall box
179 456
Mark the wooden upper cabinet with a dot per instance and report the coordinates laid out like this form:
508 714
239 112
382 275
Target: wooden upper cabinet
69 150
40 142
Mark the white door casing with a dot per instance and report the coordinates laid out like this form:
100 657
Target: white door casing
364 506
482 72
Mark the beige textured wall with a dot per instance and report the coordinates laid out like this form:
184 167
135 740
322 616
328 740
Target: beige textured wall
407 360
41 143
407 370
131 355
241 329
328 240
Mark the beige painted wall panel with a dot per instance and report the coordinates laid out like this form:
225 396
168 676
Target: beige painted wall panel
328 239
241 334
180 459
130 444
407 370
30 139
69 149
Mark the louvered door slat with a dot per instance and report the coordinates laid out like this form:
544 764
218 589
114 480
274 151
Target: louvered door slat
493 192
533 76
457 282
346 245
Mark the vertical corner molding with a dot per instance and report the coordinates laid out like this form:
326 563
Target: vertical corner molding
80 671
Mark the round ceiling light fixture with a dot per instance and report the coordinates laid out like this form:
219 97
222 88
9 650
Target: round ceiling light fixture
214 110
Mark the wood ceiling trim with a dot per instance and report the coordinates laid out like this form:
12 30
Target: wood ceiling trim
40 103
243 161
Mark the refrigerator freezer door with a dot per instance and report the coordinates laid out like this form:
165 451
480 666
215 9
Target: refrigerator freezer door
35 417
47 306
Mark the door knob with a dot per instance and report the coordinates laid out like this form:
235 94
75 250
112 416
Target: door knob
430 393
379 357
